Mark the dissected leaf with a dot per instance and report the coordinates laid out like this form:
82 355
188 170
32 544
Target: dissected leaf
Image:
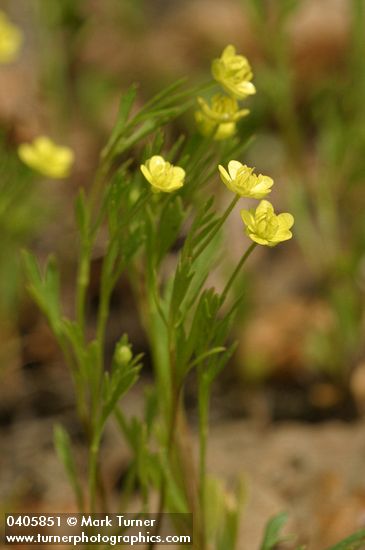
62 444
272 535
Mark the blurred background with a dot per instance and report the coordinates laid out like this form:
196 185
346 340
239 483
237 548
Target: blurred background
298 377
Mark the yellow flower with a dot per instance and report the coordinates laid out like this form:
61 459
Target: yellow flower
47 158
263 226
241 180
162 175
218 131
222 109
234 73
218 120
10 39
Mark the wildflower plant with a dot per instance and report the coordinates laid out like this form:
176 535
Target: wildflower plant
144 196
187 323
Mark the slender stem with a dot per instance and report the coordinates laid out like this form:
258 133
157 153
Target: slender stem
203 437
169 447
102 317
96 188
236 271
210 237
93 467
82 284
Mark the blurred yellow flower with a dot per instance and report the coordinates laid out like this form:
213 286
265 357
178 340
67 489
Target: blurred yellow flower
222 109
241 180
218 119
234 73
263 226
46 157
162 175
218 131
10 39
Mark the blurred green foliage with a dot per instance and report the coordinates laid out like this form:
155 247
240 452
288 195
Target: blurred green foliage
320 125
20 217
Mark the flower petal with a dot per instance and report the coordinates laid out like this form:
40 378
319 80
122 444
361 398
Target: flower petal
246 88
27 154
265 207
248 219
286 220
224 174
258 240
228 52
147 174
155 162
178 175
233 167
225 130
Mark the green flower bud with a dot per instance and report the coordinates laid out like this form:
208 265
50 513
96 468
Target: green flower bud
123 354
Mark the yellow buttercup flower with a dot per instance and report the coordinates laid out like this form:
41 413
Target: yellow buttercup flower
162 175
46 157
241 180
218 119
11 39
222 109
234 73
218 131
265 227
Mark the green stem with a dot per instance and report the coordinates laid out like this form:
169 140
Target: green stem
82 284
103 313
96 188
210 237
236 271
81 404
203 437
169 447
93 470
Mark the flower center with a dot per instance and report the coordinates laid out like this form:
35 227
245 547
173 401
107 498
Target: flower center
267 226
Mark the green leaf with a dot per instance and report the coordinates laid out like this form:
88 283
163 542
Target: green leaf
81 213
117 384
199 337
166 93
73 333
354 542
151 407
62 445
182 280
272 536
45 290
171 219
229 535
203 217
218 362
125 107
